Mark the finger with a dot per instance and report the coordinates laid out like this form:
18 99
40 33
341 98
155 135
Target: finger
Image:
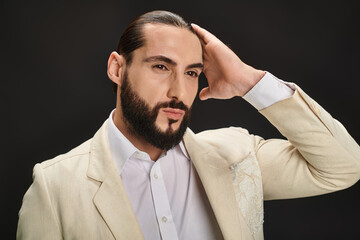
204 94
202 33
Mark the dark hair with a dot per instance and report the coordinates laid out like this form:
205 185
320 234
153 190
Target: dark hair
132 38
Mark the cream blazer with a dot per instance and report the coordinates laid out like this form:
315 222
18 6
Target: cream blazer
79 195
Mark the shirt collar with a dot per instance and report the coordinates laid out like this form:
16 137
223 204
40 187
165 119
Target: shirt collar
122 149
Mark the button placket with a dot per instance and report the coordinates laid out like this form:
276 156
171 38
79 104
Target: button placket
161 203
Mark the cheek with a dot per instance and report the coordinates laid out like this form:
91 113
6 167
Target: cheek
192 90
151 91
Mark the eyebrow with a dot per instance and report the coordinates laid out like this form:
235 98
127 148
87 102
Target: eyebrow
171 62
196 65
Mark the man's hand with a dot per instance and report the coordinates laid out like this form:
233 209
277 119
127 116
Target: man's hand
227 75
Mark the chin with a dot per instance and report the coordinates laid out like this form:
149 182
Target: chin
172 129
165 126
169 129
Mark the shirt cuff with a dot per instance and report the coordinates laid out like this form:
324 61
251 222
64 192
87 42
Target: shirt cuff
268 91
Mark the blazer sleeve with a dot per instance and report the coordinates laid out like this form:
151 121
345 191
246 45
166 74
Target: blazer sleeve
37 217
319 156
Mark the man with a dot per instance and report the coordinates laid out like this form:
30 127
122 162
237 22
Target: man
145 175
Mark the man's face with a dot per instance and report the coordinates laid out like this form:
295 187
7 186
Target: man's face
140 119
163 77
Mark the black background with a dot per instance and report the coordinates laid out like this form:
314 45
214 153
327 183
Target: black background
55 92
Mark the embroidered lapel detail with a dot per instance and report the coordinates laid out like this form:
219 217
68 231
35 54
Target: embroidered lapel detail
217 179
111 199
248 189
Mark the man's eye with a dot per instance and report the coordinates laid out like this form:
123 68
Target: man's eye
160 66
192 73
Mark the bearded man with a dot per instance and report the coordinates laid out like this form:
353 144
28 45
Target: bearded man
144 174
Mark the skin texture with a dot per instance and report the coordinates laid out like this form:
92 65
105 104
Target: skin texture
167 68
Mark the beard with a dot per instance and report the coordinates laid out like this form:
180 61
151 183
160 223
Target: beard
140 118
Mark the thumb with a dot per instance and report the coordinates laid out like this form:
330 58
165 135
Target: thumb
204 94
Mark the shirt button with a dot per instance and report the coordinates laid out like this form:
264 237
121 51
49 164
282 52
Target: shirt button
156 176
164 219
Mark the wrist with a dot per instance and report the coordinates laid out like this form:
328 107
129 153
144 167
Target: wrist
250 77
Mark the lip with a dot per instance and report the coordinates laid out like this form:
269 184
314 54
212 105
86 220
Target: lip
173 113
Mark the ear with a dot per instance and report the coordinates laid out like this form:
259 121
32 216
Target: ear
116 66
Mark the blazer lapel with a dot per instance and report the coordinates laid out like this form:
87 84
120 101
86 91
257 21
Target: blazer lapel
111 199
216 177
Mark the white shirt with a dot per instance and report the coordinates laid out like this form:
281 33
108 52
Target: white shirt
167 196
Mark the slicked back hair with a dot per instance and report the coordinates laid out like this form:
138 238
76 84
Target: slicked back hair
133 37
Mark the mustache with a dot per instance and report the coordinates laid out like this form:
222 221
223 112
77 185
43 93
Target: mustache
172 104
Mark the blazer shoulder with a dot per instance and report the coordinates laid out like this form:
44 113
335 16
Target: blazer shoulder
230 131
230 140
228 134
81 150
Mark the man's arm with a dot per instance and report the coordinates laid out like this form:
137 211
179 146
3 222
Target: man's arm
37 216
319 156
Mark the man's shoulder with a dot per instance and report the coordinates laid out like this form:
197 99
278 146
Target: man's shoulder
228 132
224 138
76 162
80 152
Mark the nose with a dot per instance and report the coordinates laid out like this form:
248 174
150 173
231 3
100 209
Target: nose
176 87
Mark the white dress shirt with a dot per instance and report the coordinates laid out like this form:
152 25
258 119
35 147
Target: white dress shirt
167 196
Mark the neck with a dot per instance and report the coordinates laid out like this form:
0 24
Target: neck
138 141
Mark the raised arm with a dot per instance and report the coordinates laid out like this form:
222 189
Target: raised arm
319 155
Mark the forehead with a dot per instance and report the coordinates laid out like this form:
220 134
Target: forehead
177 43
